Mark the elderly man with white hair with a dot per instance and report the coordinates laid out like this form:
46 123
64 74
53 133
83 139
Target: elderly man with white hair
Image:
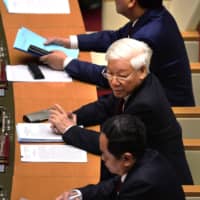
143 96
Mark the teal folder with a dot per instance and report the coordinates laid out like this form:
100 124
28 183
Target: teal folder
26 37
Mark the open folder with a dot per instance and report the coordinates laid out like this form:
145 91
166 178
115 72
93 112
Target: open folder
26 38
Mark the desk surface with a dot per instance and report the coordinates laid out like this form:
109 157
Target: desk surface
47 180
43 96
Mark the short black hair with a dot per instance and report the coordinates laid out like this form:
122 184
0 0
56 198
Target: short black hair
150 4
125 133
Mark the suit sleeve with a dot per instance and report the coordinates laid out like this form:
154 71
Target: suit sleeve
83 138
103 191
100 41
87 72
90 114
138 190
97 112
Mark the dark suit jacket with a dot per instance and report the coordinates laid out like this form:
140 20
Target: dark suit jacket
169 62
150 104
151 178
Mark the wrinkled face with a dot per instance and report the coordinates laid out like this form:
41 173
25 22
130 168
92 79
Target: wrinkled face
124 78
114 165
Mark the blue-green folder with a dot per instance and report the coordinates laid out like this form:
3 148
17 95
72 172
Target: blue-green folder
25 38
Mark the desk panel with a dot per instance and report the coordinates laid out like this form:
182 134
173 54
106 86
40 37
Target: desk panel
33 188
30 97
47 180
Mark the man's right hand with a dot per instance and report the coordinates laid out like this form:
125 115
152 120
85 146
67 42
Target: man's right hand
65 42
55 60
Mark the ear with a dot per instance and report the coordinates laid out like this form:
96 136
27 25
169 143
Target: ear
143 72
131 3
128 160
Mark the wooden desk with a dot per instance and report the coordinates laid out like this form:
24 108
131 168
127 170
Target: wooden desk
74 19
46 180
49 179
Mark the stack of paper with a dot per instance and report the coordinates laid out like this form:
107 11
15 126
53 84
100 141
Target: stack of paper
36 132
42 132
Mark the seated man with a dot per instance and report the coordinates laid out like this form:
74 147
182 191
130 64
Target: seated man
130 80
149 22
143 173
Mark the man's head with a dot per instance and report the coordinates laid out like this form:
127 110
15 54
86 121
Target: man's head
122 142
128 65
133 9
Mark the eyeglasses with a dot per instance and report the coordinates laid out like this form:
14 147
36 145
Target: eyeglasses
119 78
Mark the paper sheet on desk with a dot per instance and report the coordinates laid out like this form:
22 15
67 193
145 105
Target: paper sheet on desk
22 74
36 132
38 6
52 153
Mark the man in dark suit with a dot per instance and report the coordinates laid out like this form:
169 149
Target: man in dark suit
143 173
127 73
149 22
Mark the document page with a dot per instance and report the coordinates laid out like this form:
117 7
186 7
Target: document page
21 73
38 6
51 153
36 132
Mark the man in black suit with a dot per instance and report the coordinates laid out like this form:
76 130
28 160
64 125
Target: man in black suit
130 80
143 173
149 22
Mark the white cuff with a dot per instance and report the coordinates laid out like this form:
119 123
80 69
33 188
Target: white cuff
68 128
78 195
73 41
66 62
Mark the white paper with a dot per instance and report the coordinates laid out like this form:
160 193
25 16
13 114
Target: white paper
36 132
22 74
38 6
52 153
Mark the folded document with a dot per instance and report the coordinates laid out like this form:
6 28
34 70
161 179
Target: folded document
36 132
26 37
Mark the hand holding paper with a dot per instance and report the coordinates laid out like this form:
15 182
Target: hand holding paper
55 60
65 42
26 37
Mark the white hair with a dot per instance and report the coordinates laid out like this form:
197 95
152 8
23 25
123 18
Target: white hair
139 53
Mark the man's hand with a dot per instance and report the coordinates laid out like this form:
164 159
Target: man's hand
65 42
55 60
64 196
72 195
60 120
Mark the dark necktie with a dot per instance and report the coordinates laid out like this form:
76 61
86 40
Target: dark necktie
120 106
118 185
